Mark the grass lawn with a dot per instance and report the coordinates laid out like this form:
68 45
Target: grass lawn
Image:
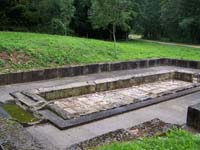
175 140
24 51
19 114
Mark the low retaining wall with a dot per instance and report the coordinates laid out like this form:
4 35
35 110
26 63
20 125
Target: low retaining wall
101 85
69 71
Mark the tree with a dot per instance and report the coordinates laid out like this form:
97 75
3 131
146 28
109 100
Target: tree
67 11
111 14
56 15
190 19
170 17
80 22
148 18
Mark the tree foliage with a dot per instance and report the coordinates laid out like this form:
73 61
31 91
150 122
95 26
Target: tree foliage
107 13
111 14
175 20
148 18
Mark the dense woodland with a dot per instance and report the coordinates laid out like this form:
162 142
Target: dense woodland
172 20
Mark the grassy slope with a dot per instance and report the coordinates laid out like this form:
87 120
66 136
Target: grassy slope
175 140
22 51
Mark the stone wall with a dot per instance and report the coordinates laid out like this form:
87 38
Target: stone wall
69 71
101 85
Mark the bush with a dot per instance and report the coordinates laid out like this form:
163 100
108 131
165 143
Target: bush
58 27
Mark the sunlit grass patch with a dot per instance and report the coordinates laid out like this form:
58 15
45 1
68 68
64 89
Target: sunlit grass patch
174 140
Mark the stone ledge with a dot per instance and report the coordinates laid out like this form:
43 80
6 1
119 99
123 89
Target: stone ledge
76 89
193 117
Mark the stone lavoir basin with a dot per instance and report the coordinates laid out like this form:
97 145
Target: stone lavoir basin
75 107
78 103
86 93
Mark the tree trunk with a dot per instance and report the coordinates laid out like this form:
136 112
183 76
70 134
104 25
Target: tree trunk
114 39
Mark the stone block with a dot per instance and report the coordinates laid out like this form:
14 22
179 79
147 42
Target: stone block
182 63
27 76
138 80
103 84
113 85
193 117
77 70
172 62
85 70
51 73
162 61
193 64
51 95
125 65
198 65
104 67
143 63
115 66
93 68
70 90
65 93
38 75
153 62
3 79
133 64
125 83
65 72
184 76
13 78
100 87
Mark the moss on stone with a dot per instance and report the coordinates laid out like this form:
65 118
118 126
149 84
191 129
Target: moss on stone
18 113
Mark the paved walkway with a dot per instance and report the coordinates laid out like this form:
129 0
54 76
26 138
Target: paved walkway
175 44
173 111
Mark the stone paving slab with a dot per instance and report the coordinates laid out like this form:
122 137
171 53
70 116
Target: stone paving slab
69 123
92 103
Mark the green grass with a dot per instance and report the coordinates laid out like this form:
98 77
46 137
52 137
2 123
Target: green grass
18 113
175 140
24 51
